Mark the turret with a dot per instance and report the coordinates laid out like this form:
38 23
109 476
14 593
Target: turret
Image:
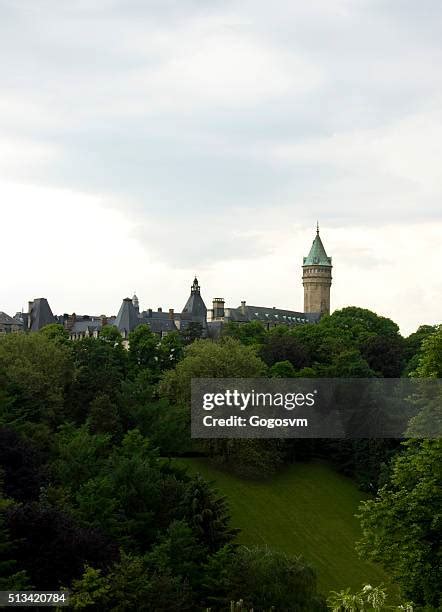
195 309
317 278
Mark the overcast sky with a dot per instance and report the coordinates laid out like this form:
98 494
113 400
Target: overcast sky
144 141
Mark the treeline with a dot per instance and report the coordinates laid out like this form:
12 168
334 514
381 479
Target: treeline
90 499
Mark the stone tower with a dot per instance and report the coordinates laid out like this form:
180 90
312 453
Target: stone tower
317 278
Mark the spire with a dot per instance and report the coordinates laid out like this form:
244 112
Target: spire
195 288
317 255
195 309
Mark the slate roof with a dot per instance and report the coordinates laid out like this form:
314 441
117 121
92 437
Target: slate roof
195 307
127 317
82 326
159 325
5 319
41 314
317 255
271 315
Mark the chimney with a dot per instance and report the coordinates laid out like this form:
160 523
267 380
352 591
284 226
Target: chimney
103 320
30 307
243 307
218 308
149 312
160 310
171 313
70 321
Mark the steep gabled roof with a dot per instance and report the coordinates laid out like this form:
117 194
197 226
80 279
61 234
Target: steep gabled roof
195 307
41 314
127 317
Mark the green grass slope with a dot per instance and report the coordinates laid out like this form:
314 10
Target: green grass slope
307 510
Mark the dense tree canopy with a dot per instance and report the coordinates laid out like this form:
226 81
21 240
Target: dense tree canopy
402 525
91 501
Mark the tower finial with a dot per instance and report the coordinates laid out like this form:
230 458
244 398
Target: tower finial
195 288
317 228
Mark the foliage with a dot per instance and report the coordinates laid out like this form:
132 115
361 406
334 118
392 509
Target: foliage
430 357
402 525
57 334
10 578
170 351
35 373
53 547
249 458
249 334
280 345
130 586
413 344
104 417
358 325
191 332
208 514
368 598
282 369
207 359
143 347
22 466
263 578
100 367
93 504
385 355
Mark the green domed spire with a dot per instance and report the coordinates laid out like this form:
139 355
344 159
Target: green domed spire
317 255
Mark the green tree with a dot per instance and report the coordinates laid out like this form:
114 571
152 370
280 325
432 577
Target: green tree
413 344
249 334
179 552
11 578
100 367
170 351
79 455
130 585
35 373
57 333
125 498
191 332
346 364
206 359
208 514
143 348
430 357
111 335
385 355
282 369
264 579
402 525
280 345
357 325
103 416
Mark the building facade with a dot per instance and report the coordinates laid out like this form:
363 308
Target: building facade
316 278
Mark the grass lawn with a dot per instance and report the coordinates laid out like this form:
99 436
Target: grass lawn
307 510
